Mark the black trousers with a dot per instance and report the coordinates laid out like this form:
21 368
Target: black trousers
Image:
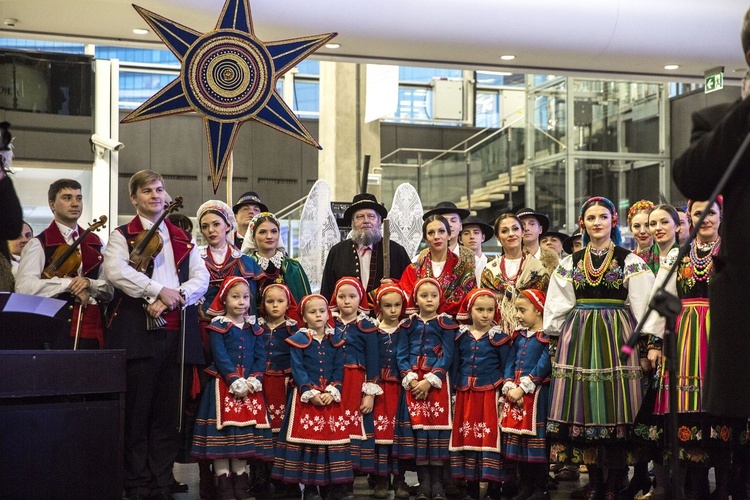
152 416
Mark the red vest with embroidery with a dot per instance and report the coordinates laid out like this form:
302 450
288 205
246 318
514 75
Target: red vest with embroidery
91 249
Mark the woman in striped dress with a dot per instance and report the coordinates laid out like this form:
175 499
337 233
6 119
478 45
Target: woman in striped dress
593 302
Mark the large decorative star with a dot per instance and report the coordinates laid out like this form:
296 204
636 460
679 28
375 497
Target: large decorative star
228 76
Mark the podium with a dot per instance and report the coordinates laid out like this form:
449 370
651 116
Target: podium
61 424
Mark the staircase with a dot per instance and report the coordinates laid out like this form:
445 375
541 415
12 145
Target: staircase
495 190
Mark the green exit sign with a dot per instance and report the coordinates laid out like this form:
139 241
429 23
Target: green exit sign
714 80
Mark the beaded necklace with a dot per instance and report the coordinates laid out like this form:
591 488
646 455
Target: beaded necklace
503 274
593 275
702 266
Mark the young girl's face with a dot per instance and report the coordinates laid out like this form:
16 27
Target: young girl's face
315 314
390 307
526 314
347 300
275 303
483 312
238 300
428 298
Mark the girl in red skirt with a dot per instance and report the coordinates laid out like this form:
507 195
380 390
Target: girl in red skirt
524 417
425 416
391 304
481 352
349 308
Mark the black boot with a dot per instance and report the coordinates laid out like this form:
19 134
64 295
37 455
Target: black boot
241 486
525 485
539 476
436 482
596 480
423 476
640 481
723 483
207 486
698 487
400 488
224 488
616 482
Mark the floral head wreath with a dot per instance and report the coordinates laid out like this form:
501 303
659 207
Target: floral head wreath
248 245
218 305
219 208
464 312
639 206
615 233
364 305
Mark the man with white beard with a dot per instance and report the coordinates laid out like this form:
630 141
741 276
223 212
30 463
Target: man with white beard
361 256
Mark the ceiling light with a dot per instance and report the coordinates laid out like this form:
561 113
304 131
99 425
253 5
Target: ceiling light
10 22
671 66
140 31
508 57
333 45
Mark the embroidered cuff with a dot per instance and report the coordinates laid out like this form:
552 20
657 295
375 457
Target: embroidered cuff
507 386
308 395
406 383
254 384
527 384
434 380
371 389
334 392
655 342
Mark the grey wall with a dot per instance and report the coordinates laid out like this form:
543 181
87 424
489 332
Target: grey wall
279 168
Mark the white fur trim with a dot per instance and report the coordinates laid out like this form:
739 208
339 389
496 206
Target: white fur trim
371 389
406 383
434 380
308 395
527 385
334 392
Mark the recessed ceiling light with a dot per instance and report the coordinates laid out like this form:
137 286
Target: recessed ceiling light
508 57
140 31
333 45
671 66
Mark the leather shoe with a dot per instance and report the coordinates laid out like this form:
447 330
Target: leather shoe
178 487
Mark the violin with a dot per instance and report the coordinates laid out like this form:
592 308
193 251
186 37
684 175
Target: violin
66 260
148 243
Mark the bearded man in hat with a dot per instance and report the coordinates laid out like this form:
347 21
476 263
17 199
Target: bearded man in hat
361 256
248 206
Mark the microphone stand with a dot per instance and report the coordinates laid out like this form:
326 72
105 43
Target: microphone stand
669 306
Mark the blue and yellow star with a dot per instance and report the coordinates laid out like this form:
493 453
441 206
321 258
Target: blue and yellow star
228 76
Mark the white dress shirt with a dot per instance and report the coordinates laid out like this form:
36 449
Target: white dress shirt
365 259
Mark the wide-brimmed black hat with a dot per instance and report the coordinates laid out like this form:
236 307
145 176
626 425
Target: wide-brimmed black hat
568 242
557 234
249 198
530 212
487 230
363 201
447 207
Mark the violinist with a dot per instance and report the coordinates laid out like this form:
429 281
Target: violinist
145 318
83 286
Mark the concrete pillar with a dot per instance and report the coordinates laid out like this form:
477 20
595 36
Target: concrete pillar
344 136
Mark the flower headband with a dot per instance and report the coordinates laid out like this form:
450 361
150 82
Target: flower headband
248 245
639 206
614 233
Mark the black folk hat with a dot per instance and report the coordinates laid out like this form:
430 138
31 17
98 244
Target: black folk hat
364 201
542 218
557 234
487 230
447 207
249 198
568 242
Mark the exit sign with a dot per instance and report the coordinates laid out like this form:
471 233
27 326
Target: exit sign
714 79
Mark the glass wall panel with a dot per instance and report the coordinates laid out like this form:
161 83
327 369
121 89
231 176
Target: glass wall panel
487 109
414 102
306 97
549 181
136 87
549 119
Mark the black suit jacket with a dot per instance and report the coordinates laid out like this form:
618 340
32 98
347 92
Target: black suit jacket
343 261
696 173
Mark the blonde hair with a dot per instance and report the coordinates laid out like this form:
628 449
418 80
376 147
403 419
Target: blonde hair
143 178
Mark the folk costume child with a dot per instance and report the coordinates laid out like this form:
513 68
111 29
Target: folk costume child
313 445
481 353
278 320
526 390
357 331
425 417
390 301
232 424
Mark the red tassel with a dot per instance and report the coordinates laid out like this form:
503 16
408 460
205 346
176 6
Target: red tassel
195 387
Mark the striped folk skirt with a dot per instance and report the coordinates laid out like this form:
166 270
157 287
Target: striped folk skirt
595 396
